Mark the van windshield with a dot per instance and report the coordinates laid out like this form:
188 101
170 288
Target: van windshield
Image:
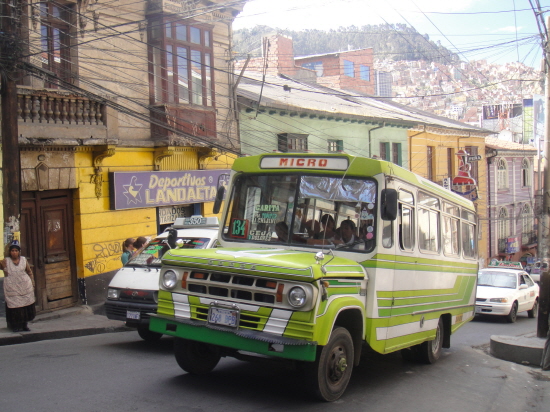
151 255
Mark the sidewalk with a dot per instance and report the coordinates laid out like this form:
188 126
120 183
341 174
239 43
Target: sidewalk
64 323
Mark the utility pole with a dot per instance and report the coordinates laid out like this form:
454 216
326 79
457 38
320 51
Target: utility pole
544 294
11 166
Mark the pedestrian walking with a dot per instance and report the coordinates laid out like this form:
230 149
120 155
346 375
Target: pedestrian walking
18 290
128 248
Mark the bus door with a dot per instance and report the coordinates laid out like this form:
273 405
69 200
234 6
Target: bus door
404 263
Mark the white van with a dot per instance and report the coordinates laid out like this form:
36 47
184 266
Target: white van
133 291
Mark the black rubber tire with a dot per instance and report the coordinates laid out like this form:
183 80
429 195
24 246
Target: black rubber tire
195 357
429 352
148 335
534 310
329 375
513 315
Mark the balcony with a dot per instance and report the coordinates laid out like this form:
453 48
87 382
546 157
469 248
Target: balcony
56 115
529 240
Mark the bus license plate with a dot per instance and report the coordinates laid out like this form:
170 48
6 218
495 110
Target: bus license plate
221 316
132 315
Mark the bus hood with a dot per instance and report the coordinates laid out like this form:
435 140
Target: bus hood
269 262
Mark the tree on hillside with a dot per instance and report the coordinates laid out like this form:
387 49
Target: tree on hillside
393 41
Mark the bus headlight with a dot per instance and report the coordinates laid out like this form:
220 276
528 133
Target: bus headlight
169 279
297 297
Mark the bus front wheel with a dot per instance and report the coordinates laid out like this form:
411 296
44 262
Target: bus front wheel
329 375
195 357
430 351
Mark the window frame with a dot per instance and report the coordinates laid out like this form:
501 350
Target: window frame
526 175
335 146
164 49
349 68
364 72
502 174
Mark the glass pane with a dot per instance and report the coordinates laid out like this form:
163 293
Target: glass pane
195 35
427 200
157 73
450 236
207 38
168 30
450 209
208 77
183 75
56 45
387 233
181 32
406 197
170 76
196 73
468 240
405 229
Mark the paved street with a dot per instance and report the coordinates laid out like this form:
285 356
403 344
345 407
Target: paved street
120 372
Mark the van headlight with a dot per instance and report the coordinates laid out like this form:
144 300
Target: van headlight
297 297
169 279
113 293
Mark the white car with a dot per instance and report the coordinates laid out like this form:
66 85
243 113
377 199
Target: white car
133 291
506 292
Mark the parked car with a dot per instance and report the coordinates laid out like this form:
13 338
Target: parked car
133 292
506 292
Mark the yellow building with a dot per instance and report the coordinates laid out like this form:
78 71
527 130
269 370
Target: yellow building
435 154
131 91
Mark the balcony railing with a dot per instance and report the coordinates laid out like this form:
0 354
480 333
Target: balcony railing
529 238
49 108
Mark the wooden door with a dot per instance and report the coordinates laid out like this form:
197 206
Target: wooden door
47 232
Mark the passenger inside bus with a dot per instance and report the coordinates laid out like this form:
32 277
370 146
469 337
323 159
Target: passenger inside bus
349 236
328 233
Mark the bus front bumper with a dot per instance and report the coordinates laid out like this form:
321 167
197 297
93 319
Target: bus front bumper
262 343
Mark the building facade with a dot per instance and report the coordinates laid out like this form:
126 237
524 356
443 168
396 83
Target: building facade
511 200
118 102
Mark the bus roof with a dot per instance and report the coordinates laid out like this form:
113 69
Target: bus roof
335 164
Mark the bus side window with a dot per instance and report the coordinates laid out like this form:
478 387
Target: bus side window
406 223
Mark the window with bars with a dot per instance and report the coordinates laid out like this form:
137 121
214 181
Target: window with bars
292 142
396 154
182 62
335 146
384 151
502 174
56 20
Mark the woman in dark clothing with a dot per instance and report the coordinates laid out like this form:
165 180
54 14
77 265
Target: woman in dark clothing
18 290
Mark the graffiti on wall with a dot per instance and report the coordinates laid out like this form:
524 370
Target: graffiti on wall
104 252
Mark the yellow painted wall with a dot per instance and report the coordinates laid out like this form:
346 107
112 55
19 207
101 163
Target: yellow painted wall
418 143
99 231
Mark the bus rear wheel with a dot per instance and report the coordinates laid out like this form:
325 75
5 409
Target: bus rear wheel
329 375
430 351
195 357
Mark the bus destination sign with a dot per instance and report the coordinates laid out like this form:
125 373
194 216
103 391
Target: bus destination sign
324 163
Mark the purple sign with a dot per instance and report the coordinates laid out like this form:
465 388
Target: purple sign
130 190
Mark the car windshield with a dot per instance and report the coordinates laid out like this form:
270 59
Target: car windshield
497 279
151 255
303 210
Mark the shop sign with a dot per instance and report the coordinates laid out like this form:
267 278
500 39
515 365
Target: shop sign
131 190
169 214
512 245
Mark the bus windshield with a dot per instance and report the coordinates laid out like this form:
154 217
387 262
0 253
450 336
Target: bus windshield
303 210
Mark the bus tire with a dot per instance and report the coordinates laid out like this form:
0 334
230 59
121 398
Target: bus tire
513 315
148 335
534 310
410 354
195 357
429 352
329 375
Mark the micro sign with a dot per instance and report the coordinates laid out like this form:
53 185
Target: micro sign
323 163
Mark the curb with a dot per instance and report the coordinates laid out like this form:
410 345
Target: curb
17 338
525 350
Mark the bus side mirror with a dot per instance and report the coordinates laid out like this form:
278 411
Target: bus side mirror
219 200
388 204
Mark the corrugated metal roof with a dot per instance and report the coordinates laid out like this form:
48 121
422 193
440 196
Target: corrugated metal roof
506 145
284 93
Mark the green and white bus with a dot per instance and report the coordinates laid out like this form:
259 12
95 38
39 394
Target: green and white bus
322 254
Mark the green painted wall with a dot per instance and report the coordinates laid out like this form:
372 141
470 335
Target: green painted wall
259 134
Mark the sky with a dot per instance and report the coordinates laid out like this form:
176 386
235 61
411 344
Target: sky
498 31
